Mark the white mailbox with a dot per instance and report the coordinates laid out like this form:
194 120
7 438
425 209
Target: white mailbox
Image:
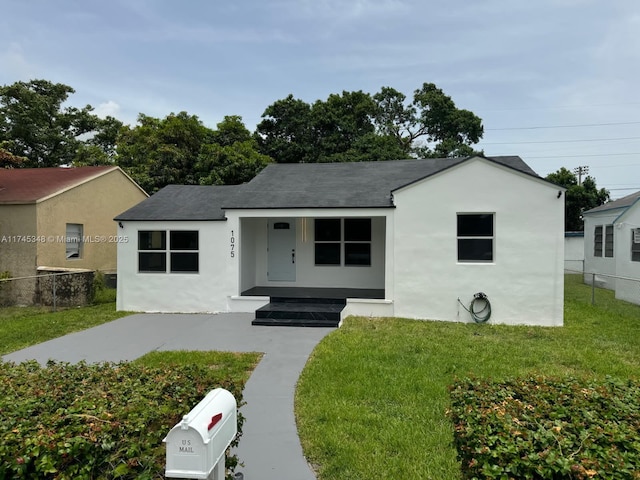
196 446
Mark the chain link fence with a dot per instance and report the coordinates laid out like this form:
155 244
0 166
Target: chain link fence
604 287
49 289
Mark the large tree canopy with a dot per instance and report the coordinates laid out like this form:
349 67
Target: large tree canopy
34 125
579 198
179 149
357 126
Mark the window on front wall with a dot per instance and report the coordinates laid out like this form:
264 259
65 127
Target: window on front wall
182 254
73 243
348 238
475 235
635 245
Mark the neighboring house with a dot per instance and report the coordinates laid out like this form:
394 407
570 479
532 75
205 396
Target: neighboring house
612 246
574 251
409 238
62 218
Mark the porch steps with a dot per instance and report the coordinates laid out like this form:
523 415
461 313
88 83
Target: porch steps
300 312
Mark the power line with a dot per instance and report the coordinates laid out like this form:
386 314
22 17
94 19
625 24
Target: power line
565 126
588 155
564 141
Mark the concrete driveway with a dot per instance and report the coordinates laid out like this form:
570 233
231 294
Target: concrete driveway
270 447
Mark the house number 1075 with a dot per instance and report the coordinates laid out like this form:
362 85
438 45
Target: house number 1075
232 244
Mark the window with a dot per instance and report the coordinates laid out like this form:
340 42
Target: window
327 239
475 237
603 241
608 241
635 245
357 241
333 236
73 240
597 241
183 252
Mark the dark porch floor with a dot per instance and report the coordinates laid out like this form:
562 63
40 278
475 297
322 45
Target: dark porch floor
314 292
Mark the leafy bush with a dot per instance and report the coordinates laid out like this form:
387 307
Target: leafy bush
95 421
541 428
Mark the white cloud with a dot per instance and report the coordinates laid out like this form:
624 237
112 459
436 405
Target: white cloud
109 108
14 64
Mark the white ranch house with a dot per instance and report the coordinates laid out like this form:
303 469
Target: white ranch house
612 246
410 238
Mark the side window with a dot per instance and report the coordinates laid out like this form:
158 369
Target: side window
597 241
73 248
475 234
608 241
635 245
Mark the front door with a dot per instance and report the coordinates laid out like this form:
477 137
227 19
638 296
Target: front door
282 250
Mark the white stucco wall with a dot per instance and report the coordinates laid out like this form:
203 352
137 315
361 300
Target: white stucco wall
209 290
628 290
573 253
524 283
601 266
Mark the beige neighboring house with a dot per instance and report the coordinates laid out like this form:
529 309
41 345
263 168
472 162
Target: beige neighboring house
62 218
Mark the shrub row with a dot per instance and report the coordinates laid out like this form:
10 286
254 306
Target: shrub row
95 421
544 428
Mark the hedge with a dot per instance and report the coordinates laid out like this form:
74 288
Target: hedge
98 421
547 428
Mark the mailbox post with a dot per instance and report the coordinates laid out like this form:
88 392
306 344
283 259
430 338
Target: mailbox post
196 446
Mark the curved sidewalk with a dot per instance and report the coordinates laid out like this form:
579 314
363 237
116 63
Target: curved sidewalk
269 448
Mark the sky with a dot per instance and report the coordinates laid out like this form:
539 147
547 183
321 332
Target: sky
554 81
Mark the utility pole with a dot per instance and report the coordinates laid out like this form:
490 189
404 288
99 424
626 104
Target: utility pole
581 170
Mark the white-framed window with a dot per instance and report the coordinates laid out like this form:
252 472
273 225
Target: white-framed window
475 235
635 244
73 241
342 241
181 256
603 241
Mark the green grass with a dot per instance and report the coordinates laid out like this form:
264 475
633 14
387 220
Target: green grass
22 327
372 400
231 366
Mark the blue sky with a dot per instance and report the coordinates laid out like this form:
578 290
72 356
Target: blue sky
572 65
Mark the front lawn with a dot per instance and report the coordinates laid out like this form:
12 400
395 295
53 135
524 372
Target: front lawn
21 327
372 400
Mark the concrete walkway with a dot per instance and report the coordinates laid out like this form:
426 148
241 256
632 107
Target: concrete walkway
269 447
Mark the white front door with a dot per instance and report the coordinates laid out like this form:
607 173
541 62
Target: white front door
282 250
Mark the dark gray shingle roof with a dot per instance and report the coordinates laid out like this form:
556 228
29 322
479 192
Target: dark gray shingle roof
182 202
624 202
309 185
340 185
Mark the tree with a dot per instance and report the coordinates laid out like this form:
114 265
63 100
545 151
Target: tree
286 132
179 149
232 158
342 127
578 198
9 160
431 118
34 125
